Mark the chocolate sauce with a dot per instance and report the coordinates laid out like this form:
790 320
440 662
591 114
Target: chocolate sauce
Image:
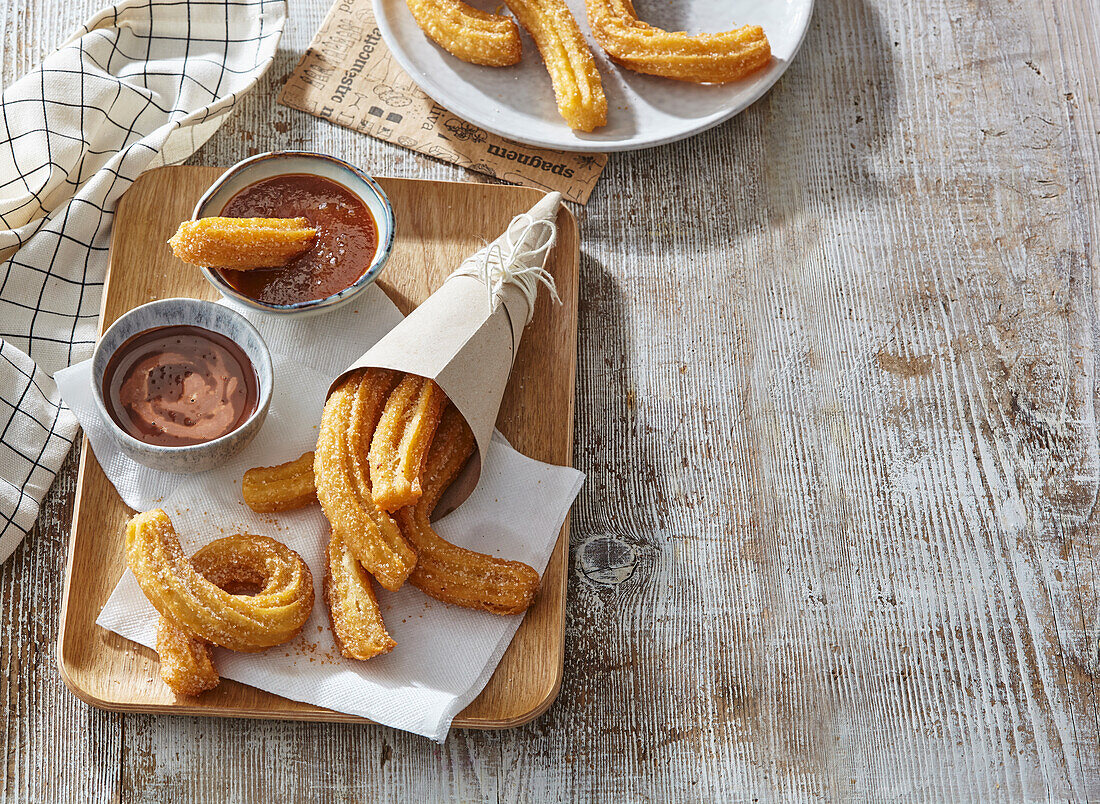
347 238
179 385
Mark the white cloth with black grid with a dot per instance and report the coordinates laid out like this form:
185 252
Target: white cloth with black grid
143 83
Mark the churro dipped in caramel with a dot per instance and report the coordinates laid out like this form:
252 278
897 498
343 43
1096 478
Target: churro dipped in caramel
242 243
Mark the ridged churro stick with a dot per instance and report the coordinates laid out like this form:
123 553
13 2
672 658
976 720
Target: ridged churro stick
445 571
289 485
242 243
370 532
347 428
573 73
356 620
709 58
402 439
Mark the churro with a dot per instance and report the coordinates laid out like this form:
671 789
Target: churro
186 664
469 33
356 621
199 599
239 622
448 572
705 58
576 81
242 243
401 441
338 468
267 489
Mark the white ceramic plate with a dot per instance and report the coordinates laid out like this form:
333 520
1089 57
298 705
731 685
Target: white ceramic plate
643 111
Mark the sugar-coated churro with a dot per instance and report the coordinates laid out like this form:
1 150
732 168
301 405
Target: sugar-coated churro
240 622
267 489
186 664
448 572
705 58
339 472
466 32
356 621
198 598
402 439
573 73
242 243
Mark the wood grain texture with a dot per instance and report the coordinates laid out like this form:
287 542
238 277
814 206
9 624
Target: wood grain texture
434 233
837 405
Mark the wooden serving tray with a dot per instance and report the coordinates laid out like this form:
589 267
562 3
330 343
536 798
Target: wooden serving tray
438 224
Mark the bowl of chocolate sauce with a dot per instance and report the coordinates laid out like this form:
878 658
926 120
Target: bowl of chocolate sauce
349 210
182 384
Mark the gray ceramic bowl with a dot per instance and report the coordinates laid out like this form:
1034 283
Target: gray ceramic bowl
278 163
197 312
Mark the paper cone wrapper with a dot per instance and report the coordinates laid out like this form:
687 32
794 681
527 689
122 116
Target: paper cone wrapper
466 344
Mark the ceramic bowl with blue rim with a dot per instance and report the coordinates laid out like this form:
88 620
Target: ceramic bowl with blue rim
198 313
281 163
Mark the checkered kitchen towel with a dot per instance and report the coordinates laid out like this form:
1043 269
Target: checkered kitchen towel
142 84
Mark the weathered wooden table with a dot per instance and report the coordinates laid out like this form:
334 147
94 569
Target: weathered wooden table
837 406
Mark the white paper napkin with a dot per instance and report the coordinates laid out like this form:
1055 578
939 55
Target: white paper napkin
445 654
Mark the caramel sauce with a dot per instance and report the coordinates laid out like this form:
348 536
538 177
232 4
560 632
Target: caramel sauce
347 238
179 385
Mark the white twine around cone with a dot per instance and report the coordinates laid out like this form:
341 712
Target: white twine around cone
518 258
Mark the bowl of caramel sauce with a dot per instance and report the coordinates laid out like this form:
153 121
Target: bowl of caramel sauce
182 384
349 210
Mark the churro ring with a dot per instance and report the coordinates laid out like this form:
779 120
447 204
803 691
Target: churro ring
704 58
179 592
466 32
443 570
186 662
